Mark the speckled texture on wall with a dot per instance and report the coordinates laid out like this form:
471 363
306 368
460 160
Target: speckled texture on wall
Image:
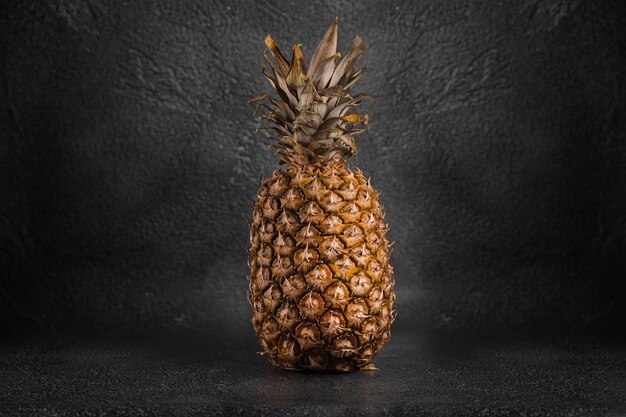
128 160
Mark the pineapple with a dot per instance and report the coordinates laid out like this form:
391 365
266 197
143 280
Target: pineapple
321 286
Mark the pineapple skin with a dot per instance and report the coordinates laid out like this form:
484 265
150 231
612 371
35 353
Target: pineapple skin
320 283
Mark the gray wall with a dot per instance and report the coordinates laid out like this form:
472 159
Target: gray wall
128 162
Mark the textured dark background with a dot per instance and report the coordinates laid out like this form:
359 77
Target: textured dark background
128 160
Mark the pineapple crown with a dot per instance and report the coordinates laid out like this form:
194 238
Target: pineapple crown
313 118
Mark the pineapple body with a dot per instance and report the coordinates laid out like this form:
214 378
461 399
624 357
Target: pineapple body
321 286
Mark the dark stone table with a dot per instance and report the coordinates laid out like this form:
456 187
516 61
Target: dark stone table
429 373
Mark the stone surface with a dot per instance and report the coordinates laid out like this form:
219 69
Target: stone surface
128 160
420 374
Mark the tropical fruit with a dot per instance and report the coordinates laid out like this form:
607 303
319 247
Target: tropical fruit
321 287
